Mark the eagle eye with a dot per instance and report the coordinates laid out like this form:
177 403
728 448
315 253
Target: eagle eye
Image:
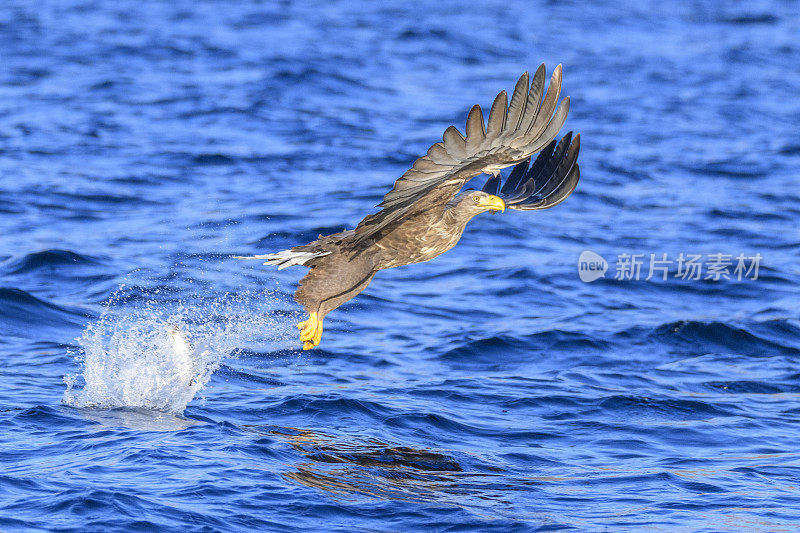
477 199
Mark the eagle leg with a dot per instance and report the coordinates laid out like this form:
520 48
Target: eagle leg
333 280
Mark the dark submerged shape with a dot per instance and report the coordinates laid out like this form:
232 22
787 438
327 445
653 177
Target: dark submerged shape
424 214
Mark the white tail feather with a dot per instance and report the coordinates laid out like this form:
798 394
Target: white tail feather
286 258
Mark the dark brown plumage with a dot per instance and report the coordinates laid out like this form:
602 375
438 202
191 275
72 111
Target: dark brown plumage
424 214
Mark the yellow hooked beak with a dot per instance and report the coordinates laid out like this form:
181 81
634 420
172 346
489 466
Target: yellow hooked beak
492 203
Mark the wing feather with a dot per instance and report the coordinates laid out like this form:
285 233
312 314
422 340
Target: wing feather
497 117
550 179
517 106
516 176
454 143
426 165
492 185
476 133
534 99
438 154
550 100
553 127
558 195
515 131
551 165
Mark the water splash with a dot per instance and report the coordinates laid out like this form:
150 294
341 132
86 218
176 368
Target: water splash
157 355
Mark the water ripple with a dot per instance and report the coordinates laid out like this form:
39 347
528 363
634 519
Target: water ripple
145 144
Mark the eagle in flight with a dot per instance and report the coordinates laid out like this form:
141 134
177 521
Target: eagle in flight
425 213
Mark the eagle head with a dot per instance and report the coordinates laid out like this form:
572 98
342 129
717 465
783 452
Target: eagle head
475 202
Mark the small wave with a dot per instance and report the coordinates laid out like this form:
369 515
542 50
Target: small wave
43 416
48 259
22 308
335 407
715 335
637 406
94 202
213 159
486 350
748 19
750 387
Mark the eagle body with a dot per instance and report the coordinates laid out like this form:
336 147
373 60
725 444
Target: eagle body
425 213
336 276
422 237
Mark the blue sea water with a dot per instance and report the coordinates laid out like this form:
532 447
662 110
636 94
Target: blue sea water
150 382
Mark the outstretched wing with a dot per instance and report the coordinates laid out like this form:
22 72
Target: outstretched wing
514 132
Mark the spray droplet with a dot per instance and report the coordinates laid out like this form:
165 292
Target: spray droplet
142 355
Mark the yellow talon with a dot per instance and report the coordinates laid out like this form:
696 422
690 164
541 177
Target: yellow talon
307 326
318 334
311 331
